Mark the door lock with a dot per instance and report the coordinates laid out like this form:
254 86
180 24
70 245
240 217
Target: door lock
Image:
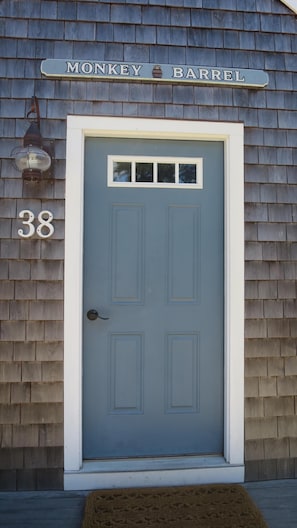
92 315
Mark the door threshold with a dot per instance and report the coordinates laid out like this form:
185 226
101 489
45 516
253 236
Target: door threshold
148 472
151 463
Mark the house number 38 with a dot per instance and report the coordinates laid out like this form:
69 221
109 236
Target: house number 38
45 228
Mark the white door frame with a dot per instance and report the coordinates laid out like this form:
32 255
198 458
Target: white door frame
180 470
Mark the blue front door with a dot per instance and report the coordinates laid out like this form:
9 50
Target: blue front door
154 270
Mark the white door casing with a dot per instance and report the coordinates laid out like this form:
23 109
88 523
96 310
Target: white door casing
88 475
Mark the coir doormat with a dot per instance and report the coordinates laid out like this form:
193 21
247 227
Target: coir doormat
206 506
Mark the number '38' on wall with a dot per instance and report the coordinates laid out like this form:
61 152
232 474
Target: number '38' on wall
44 229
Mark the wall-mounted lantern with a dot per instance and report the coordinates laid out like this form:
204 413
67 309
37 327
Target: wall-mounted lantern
34 159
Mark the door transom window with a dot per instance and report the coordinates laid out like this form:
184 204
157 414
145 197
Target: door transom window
149 171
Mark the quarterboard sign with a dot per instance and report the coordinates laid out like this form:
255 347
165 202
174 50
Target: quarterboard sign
136 71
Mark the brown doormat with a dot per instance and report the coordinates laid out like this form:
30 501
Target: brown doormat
207 506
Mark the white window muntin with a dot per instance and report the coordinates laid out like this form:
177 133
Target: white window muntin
155 161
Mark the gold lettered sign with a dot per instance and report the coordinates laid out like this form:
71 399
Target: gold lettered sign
136 71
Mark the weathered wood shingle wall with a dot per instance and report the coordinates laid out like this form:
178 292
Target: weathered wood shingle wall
232 33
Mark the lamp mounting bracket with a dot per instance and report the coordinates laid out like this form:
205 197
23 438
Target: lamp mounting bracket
34 109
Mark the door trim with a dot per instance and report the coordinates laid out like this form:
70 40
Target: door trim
80 475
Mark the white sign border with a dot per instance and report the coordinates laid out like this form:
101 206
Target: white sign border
137 71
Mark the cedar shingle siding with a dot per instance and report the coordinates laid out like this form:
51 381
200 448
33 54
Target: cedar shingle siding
235 33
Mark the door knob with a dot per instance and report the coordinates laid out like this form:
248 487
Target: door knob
93 315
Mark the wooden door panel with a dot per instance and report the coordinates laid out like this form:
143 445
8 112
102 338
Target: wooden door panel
154 264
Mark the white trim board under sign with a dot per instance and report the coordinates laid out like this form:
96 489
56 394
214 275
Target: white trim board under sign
291 4
129 71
